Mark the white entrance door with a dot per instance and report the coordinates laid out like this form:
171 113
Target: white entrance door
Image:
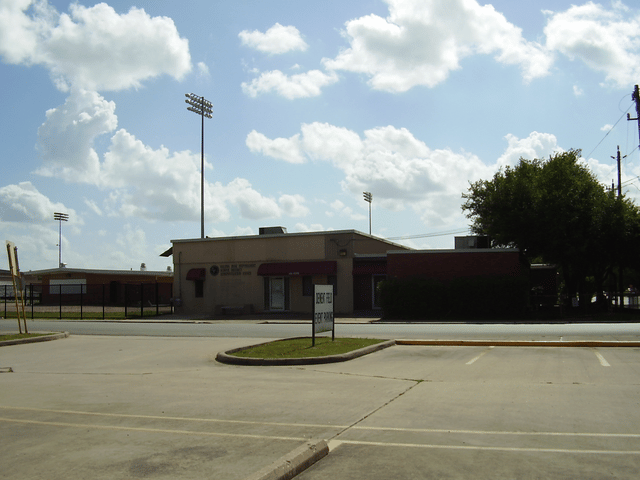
277 293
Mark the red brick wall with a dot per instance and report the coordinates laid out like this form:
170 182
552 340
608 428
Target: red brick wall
448 265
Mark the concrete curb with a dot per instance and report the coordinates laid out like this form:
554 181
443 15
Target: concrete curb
44 338
226 357
294 462
521 343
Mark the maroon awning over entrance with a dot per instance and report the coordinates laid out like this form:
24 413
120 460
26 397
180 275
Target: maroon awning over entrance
196 274
298 268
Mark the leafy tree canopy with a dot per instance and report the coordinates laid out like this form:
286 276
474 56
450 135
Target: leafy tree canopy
555 210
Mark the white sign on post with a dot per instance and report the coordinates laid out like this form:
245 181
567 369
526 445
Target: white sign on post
322 309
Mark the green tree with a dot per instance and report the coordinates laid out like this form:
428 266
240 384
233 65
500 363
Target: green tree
556 210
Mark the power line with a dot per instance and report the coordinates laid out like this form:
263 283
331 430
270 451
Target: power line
610 130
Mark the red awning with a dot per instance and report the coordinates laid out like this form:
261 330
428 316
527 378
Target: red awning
370 269
298 268
196 274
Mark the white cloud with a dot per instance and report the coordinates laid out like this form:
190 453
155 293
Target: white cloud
23 203
65 139
293 205
536 145
93 48
93 206
339 208
203 70
314 227
605 40
399 169
422 41
251 203
278 39
606 128
577 91
301 85
287 149
156 184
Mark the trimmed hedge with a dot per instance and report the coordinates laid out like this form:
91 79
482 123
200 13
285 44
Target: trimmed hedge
471 297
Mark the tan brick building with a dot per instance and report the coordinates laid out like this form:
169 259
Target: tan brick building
275 271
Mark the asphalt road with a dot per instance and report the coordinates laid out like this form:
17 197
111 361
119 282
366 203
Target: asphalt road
253 329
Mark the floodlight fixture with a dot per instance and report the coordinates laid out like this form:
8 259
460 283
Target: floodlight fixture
204 108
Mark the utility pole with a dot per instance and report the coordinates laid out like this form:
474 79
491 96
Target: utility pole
636 98
619 174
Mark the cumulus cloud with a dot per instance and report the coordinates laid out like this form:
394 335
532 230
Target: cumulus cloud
536 145
287 149
23 203
93 48
251 203
400 169
65 139
278 39
301 85
155 183
293 205
421 42
605 40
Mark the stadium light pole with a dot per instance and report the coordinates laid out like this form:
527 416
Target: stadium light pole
368 198
60 217
204 108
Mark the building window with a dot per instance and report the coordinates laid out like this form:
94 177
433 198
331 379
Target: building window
307 286
199 286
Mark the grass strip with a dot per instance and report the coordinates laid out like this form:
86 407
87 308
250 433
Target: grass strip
301 347
20 336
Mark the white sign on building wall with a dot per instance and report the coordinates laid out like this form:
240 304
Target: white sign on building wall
323 310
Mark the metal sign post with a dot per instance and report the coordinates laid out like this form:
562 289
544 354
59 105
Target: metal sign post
12 253
322 311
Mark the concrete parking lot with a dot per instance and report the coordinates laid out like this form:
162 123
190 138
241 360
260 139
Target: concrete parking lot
148 407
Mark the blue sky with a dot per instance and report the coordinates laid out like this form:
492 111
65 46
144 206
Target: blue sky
313 103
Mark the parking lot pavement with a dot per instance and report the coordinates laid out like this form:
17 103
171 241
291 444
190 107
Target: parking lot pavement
133 407
482 412
145 407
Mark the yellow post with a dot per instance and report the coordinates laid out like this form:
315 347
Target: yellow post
12 253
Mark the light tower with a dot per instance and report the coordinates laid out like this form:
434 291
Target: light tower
204 108
368 198
60 217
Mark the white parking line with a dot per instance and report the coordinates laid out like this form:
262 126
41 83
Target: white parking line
499 449
482 354
603 361
149 430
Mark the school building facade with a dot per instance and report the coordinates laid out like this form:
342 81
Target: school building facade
275 271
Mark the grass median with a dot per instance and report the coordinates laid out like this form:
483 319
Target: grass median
302 348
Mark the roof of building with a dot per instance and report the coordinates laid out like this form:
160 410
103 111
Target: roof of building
284 235
52 271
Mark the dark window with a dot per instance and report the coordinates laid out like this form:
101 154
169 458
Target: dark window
199 285
307 286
